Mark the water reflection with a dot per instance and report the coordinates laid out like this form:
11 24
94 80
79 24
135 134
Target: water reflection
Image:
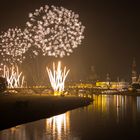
138 104
58 126
15 133
117 105
54 128
109 115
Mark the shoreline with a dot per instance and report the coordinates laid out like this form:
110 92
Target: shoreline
20 109
120 93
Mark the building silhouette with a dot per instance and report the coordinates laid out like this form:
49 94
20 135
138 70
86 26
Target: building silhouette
134 73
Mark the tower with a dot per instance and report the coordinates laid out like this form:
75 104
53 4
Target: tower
108 83
108 78
134 73
92 74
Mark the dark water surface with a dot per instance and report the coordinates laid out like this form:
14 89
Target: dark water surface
110 117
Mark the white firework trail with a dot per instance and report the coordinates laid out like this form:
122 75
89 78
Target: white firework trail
14 77
57 77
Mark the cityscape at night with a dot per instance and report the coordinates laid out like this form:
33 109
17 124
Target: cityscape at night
69 70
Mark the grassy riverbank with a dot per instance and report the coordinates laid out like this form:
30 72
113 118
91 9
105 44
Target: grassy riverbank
18 109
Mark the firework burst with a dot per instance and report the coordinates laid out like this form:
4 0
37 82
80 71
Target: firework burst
13 44
56 30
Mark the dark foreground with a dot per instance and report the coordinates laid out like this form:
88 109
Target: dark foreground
15 110
109 117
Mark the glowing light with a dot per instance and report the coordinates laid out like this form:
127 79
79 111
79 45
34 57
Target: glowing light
13 44
13 76
57 77
58 125
56 30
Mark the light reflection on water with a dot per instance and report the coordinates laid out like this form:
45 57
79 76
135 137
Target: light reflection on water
54 128
114 113
57 126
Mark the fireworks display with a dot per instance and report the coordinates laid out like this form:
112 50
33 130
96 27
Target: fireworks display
13 44
56 30
52 31
57 77
14 77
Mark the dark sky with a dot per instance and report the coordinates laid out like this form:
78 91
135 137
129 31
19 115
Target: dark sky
111 36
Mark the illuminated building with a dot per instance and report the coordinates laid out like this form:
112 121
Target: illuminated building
113 85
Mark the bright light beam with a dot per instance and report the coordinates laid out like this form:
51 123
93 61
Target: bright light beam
13 76
57 77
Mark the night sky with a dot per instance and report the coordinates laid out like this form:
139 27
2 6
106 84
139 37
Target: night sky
111 35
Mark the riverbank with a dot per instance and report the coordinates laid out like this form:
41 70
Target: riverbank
19 109
125 93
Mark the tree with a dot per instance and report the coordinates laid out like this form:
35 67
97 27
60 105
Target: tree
3 84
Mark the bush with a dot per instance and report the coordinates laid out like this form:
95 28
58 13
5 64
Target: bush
3 84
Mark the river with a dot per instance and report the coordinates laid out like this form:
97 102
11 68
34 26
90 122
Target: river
112 117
